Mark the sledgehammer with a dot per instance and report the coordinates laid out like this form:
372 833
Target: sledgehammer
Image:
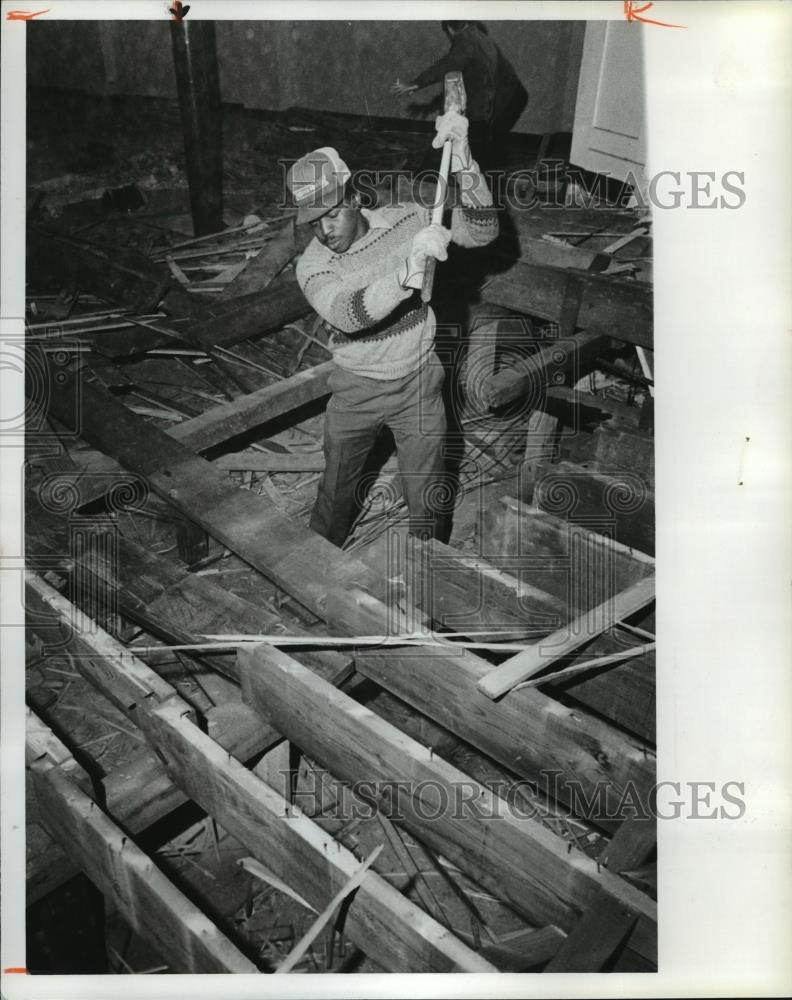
455 100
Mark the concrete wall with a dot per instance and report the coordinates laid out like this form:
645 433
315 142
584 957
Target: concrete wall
327 65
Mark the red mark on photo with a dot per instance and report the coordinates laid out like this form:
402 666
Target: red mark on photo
24 15
634 13
16 968
178 10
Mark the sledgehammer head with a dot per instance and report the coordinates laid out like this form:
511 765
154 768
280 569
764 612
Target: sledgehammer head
455 96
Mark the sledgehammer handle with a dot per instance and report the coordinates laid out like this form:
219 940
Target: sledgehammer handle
456 100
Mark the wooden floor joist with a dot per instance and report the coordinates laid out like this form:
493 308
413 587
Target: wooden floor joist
511 854
527 732
380 920
609 306
148 901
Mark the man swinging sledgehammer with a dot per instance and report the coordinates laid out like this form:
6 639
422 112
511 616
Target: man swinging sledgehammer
362 273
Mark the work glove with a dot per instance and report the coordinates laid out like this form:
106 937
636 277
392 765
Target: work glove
431 241
454 126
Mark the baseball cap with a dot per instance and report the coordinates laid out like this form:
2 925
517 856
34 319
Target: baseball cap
316 182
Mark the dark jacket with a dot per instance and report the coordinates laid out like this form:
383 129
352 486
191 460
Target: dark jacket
494 91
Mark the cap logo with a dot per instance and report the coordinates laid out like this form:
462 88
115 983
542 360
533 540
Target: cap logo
305 191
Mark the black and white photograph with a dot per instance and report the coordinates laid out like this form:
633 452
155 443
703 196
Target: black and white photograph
336 467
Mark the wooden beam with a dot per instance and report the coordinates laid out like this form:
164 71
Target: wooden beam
528 377
148 901
568 639
608 306
227 421
226 322
512 855
400 935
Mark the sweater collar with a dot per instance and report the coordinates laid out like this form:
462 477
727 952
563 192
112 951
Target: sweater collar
377 219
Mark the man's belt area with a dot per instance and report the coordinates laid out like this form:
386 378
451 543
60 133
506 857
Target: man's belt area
406 315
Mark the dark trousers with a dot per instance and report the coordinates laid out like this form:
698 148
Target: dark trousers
412 407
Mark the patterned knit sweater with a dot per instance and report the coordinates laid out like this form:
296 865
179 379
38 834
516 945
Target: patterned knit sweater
378 328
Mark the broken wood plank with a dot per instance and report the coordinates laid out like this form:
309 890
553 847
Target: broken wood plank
514 856
608 306
568 639
528 376
326 915
150 904
221 423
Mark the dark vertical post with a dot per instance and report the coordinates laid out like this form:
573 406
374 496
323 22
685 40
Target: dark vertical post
198 86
